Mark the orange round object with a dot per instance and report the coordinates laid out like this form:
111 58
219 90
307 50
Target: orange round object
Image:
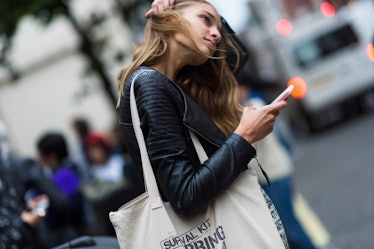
370 51
300 87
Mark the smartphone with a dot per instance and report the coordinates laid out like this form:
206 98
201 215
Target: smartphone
41 208
284 94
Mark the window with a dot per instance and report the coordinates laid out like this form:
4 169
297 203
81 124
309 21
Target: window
309 52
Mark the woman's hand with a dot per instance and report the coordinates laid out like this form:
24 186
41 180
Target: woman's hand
36 215
30 218
255 124
159 6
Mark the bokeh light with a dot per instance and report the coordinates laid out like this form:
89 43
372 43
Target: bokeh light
300 87
284 27
327 9
370 51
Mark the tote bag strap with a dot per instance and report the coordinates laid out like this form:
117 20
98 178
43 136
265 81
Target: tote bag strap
198 147
149 177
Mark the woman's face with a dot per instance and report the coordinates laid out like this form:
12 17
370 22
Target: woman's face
205 26
97 154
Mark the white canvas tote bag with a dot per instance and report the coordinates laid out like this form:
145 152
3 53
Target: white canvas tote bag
238 219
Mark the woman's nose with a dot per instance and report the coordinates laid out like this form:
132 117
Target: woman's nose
216 35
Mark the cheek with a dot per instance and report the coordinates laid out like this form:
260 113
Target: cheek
182 39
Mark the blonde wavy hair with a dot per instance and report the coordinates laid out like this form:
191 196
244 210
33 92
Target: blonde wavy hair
212 85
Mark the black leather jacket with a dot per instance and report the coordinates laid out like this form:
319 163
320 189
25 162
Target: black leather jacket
166 114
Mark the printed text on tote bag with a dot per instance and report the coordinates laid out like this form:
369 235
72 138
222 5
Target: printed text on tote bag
198 237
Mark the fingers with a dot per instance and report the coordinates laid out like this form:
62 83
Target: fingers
256 123
280 104
30 218
276 107
158 6
274 111
250 107
153 9
148 13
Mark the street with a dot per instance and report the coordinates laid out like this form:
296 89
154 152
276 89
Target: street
334 173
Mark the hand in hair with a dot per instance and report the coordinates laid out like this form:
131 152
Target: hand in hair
159 6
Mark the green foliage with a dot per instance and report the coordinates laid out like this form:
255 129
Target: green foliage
12 11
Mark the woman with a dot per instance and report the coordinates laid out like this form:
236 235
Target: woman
188 84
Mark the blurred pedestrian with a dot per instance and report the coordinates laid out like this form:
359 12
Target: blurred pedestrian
107 179
274 153
54 158
106 167
81 128
105 164
30 175
17 223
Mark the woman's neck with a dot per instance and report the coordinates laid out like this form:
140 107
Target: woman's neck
173 61
166 69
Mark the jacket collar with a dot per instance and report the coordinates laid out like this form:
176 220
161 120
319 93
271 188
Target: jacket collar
196 119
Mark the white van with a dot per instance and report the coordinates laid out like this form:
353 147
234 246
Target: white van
332 55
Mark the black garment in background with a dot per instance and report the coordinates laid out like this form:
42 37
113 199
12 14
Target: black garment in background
31 176
14 233
64 220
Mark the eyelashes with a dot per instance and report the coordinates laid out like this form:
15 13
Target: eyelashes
206 19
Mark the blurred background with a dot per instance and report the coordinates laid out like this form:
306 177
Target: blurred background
59 60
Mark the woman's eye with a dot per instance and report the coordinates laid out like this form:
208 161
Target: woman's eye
206 19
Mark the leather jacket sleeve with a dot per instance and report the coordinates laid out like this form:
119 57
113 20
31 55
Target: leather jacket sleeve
187 184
